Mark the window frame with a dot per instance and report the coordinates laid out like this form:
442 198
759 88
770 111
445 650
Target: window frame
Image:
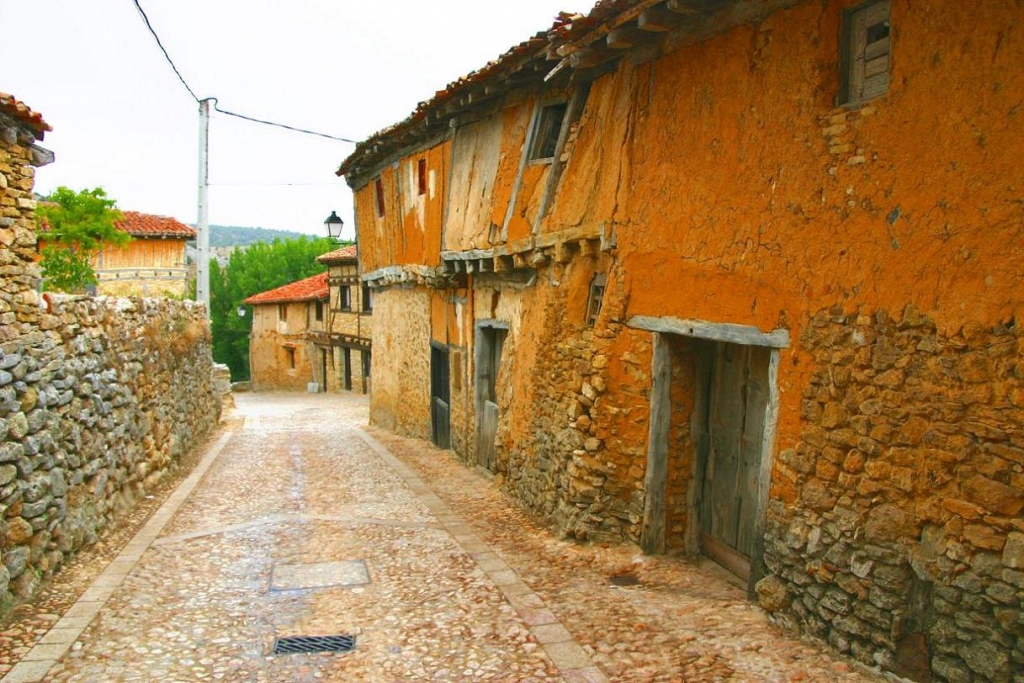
367 299
282 313
421 176
345 298
858 57
378 191
547 131
595 297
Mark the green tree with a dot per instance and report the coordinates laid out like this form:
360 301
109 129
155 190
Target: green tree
257 269
78 224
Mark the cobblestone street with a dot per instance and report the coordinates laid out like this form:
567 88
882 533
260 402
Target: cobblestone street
301 521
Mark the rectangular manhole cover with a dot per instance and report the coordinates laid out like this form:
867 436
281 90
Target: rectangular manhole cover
296 645
319 575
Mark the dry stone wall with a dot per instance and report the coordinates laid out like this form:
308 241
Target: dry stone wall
904 545
99 398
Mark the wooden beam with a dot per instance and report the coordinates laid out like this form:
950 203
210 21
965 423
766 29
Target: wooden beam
657 20
652 534
623 37
587 248
563 251
590 56
701 329
681 7
519 261
503 264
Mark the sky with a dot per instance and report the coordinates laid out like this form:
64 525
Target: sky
123 121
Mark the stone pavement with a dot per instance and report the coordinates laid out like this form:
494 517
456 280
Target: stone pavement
298 522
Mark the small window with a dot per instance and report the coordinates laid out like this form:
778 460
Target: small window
282 312
421 175
596 298
546 131
346 298
367 298
319 311
290 357
865 50
378 187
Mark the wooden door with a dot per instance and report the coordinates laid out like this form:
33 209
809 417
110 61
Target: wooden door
346 353
488 413
440 396
736 400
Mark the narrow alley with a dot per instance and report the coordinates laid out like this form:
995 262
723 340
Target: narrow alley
300 521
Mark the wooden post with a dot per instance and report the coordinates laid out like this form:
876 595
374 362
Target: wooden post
652 536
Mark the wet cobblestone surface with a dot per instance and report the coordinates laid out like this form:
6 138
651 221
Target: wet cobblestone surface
462 585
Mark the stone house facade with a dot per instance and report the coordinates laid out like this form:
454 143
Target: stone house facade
738 279
342 344
281 354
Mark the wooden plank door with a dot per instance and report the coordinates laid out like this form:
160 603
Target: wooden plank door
736 401
488 413
440 396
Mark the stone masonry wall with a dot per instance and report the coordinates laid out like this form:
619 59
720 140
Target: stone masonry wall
895 529
96 404
580 400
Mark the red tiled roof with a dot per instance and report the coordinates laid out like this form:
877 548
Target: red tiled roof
339 255
310 289
20 111
566 29
146 225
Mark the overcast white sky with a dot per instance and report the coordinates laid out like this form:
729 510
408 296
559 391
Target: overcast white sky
124 122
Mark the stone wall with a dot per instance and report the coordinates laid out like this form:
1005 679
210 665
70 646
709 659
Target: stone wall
400 400
895 530
97 403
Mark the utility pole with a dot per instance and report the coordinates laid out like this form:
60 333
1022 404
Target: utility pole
203 220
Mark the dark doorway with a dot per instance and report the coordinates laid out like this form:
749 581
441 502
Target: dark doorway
366 371
346 354
440 395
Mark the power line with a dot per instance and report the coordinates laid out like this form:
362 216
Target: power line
216 104
160 45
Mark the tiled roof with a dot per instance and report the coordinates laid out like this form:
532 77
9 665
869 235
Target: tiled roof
142 225
20 111
310 289
342 255
147 225
574 45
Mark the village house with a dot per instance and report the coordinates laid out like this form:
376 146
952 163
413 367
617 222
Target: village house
281 354
343 343
740 279
152 264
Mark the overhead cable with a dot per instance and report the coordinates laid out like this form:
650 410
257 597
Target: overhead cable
216 106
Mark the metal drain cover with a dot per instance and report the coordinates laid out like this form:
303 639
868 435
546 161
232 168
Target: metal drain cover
296 645
624 580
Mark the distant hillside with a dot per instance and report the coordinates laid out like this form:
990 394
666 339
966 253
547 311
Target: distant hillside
237 236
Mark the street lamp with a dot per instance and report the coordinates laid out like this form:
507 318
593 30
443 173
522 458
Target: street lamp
241 311
334 224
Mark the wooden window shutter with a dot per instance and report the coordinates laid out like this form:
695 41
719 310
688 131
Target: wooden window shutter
865 53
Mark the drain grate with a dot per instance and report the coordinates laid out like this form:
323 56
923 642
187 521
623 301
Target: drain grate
295 645
624 580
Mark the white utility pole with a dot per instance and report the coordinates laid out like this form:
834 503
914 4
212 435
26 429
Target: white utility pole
203 220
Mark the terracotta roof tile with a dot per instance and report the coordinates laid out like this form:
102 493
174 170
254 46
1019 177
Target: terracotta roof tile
310 289
147 225
565 30
348 253
20 111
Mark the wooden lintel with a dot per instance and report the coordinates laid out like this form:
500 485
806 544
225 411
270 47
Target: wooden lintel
657 20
